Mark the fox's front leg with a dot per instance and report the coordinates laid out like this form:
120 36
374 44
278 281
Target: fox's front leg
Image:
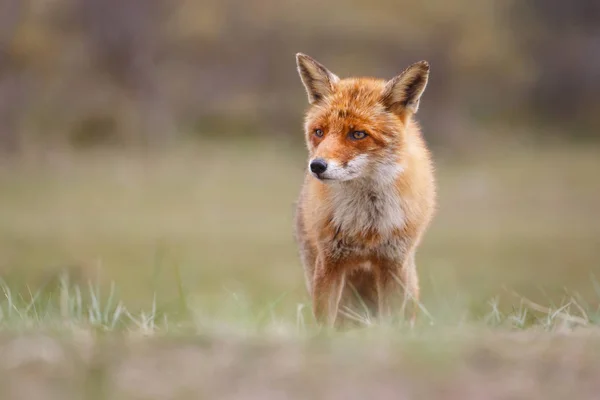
384 282
327 285
410 280
393 277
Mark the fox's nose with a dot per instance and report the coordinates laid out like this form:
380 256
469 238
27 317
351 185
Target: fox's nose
318 165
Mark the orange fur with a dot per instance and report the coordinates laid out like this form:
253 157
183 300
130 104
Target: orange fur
359 222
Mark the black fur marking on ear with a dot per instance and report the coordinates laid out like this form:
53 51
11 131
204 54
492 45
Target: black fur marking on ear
412 89
309 81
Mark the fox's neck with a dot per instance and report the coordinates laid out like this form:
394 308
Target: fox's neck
370 203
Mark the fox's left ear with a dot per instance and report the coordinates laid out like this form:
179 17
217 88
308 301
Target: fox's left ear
404 91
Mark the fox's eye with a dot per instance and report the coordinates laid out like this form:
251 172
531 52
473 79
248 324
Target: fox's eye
318 133
357 135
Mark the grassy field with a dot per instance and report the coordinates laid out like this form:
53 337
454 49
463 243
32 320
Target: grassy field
193 247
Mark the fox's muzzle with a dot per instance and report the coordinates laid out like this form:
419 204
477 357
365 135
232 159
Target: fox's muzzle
334 170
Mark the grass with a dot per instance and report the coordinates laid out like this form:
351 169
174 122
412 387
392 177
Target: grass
174 275
72 305
76 345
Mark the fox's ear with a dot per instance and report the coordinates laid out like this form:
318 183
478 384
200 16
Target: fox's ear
318 80
404 91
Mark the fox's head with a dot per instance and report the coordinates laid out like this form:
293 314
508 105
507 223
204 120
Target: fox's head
356 127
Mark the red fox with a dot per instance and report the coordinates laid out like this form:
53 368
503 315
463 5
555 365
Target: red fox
369 191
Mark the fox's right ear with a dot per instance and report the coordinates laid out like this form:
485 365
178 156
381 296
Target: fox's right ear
318 80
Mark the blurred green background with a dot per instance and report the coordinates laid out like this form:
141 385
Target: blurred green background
158 143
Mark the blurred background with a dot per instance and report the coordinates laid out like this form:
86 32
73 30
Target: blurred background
158 143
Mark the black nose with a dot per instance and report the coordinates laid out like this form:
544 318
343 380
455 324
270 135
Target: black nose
318 166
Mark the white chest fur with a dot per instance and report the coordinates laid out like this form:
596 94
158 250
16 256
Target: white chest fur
365 205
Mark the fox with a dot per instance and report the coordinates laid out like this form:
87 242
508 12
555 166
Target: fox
368 195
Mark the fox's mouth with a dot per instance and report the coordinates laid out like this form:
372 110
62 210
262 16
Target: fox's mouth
322 178
330 179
